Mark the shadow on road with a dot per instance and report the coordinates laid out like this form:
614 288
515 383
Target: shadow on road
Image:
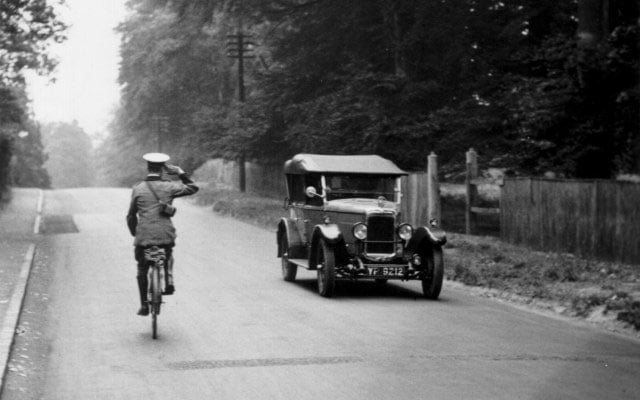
369 289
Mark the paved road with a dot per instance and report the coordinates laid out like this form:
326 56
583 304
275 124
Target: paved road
235 330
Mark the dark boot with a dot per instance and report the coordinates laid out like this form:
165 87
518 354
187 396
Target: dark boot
169 288
143 284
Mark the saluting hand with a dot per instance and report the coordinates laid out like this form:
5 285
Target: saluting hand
173 169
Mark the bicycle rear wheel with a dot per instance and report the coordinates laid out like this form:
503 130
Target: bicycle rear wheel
156 299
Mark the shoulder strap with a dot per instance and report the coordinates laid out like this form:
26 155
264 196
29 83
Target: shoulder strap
153 191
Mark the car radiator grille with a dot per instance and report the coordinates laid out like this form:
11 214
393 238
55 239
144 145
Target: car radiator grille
380 234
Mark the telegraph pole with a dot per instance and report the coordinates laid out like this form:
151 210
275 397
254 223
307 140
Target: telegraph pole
239 46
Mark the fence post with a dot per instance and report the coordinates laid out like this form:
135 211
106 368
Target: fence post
242 172
471 190
433 189
413 199
595 219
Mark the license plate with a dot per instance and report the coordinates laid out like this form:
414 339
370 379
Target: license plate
386 271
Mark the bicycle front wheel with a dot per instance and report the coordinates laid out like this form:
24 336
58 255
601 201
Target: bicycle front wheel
154 325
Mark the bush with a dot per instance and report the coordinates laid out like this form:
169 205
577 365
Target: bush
583 305
631 315
247 207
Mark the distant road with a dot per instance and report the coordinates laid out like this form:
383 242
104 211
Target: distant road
235 330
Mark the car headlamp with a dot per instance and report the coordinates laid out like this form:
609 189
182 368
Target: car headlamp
360 231
405 231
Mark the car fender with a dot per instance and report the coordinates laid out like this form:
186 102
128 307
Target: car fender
287 227
429 235
329 232
332 236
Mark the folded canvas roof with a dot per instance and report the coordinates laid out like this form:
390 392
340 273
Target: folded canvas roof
357 164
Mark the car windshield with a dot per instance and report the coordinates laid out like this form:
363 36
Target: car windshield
360 186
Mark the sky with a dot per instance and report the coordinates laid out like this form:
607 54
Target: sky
86 88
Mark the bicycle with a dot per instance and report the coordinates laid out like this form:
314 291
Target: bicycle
155 257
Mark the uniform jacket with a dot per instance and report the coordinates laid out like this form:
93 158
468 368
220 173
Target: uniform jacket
144 219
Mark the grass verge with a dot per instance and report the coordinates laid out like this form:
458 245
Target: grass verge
569 285
261 211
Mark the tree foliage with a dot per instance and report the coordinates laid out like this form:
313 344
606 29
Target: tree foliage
174 70
70 155
399 78
28 168
27 28
21 150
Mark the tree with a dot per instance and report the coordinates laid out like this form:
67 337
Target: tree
29 158
175 70
26 29
21 157
119 157
372 73
70 155
399 78
172 67
573 105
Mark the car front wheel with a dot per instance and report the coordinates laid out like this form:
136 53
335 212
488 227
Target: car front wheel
325 261
432 281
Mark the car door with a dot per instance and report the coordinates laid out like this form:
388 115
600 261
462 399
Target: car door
313 209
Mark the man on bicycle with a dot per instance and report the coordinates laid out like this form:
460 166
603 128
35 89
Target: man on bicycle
148 222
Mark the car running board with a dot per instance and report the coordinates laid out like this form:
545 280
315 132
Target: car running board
300 262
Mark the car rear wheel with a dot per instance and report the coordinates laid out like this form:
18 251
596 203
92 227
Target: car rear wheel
289 269
325 261
432 282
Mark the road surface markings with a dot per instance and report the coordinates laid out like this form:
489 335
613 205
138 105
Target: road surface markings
36 224
598 359
261 362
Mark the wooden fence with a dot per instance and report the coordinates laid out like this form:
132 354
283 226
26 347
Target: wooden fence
595 219
268 180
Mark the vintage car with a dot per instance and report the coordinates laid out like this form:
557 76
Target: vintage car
345 222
